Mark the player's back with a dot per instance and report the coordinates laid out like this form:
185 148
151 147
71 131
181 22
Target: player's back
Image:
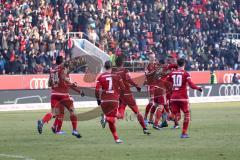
58 84
125 76
110 85
151 67
179 79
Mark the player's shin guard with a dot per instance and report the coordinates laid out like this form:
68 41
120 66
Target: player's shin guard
147 110
186 122
59 122
158 115
47 118
111 122
153 109
74 121
121 111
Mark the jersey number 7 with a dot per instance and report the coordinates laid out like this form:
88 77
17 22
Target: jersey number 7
109 79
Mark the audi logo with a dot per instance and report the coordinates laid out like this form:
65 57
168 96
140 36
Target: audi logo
229 89
227 78
39 83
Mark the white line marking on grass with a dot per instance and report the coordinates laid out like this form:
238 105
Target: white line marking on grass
15 156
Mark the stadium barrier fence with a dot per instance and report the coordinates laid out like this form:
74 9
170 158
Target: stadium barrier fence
15 100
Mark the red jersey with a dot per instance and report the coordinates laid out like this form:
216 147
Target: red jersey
111 85
127 80
59 80
180 79
151 67
162 85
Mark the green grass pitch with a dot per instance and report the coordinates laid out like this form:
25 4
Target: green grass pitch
214 131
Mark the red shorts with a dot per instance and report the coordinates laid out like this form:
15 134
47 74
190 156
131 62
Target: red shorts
177 106
61 101
128 99
160 100
110 108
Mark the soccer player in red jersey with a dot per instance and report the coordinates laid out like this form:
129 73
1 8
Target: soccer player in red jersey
151 67
162 88
127 97
60 83
179 99
111 85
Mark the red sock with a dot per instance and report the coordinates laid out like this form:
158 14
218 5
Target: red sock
112 127
55 123
74 121
148 107
186 122
153 109
59 122
47 118
139 116
158 115
141 120
121 110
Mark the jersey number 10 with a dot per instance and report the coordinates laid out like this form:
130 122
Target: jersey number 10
177 80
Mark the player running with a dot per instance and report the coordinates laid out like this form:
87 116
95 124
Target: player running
111 85
179 99
60 83
151 67
127 97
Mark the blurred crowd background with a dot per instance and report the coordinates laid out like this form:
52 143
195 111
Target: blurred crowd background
34 32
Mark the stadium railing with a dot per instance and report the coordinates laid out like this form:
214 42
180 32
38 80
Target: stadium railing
136 66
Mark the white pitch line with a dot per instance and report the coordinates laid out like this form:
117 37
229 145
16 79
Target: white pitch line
15 156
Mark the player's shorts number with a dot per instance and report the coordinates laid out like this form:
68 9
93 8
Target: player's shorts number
177 80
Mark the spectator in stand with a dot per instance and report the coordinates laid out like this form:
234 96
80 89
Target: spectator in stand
235 79
35 31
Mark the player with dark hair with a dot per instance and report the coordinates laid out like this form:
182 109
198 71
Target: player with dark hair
60 84
127 97
179 98
111 85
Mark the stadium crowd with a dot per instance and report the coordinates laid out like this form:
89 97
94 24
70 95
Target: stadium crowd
33 33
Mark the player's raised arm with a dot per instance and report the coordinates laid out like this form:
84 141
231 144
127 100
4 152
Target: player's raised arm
129 79
50 82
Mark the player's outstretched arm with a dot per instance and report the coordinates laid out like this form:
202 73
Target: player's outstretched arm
50 83
192 85
130 81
